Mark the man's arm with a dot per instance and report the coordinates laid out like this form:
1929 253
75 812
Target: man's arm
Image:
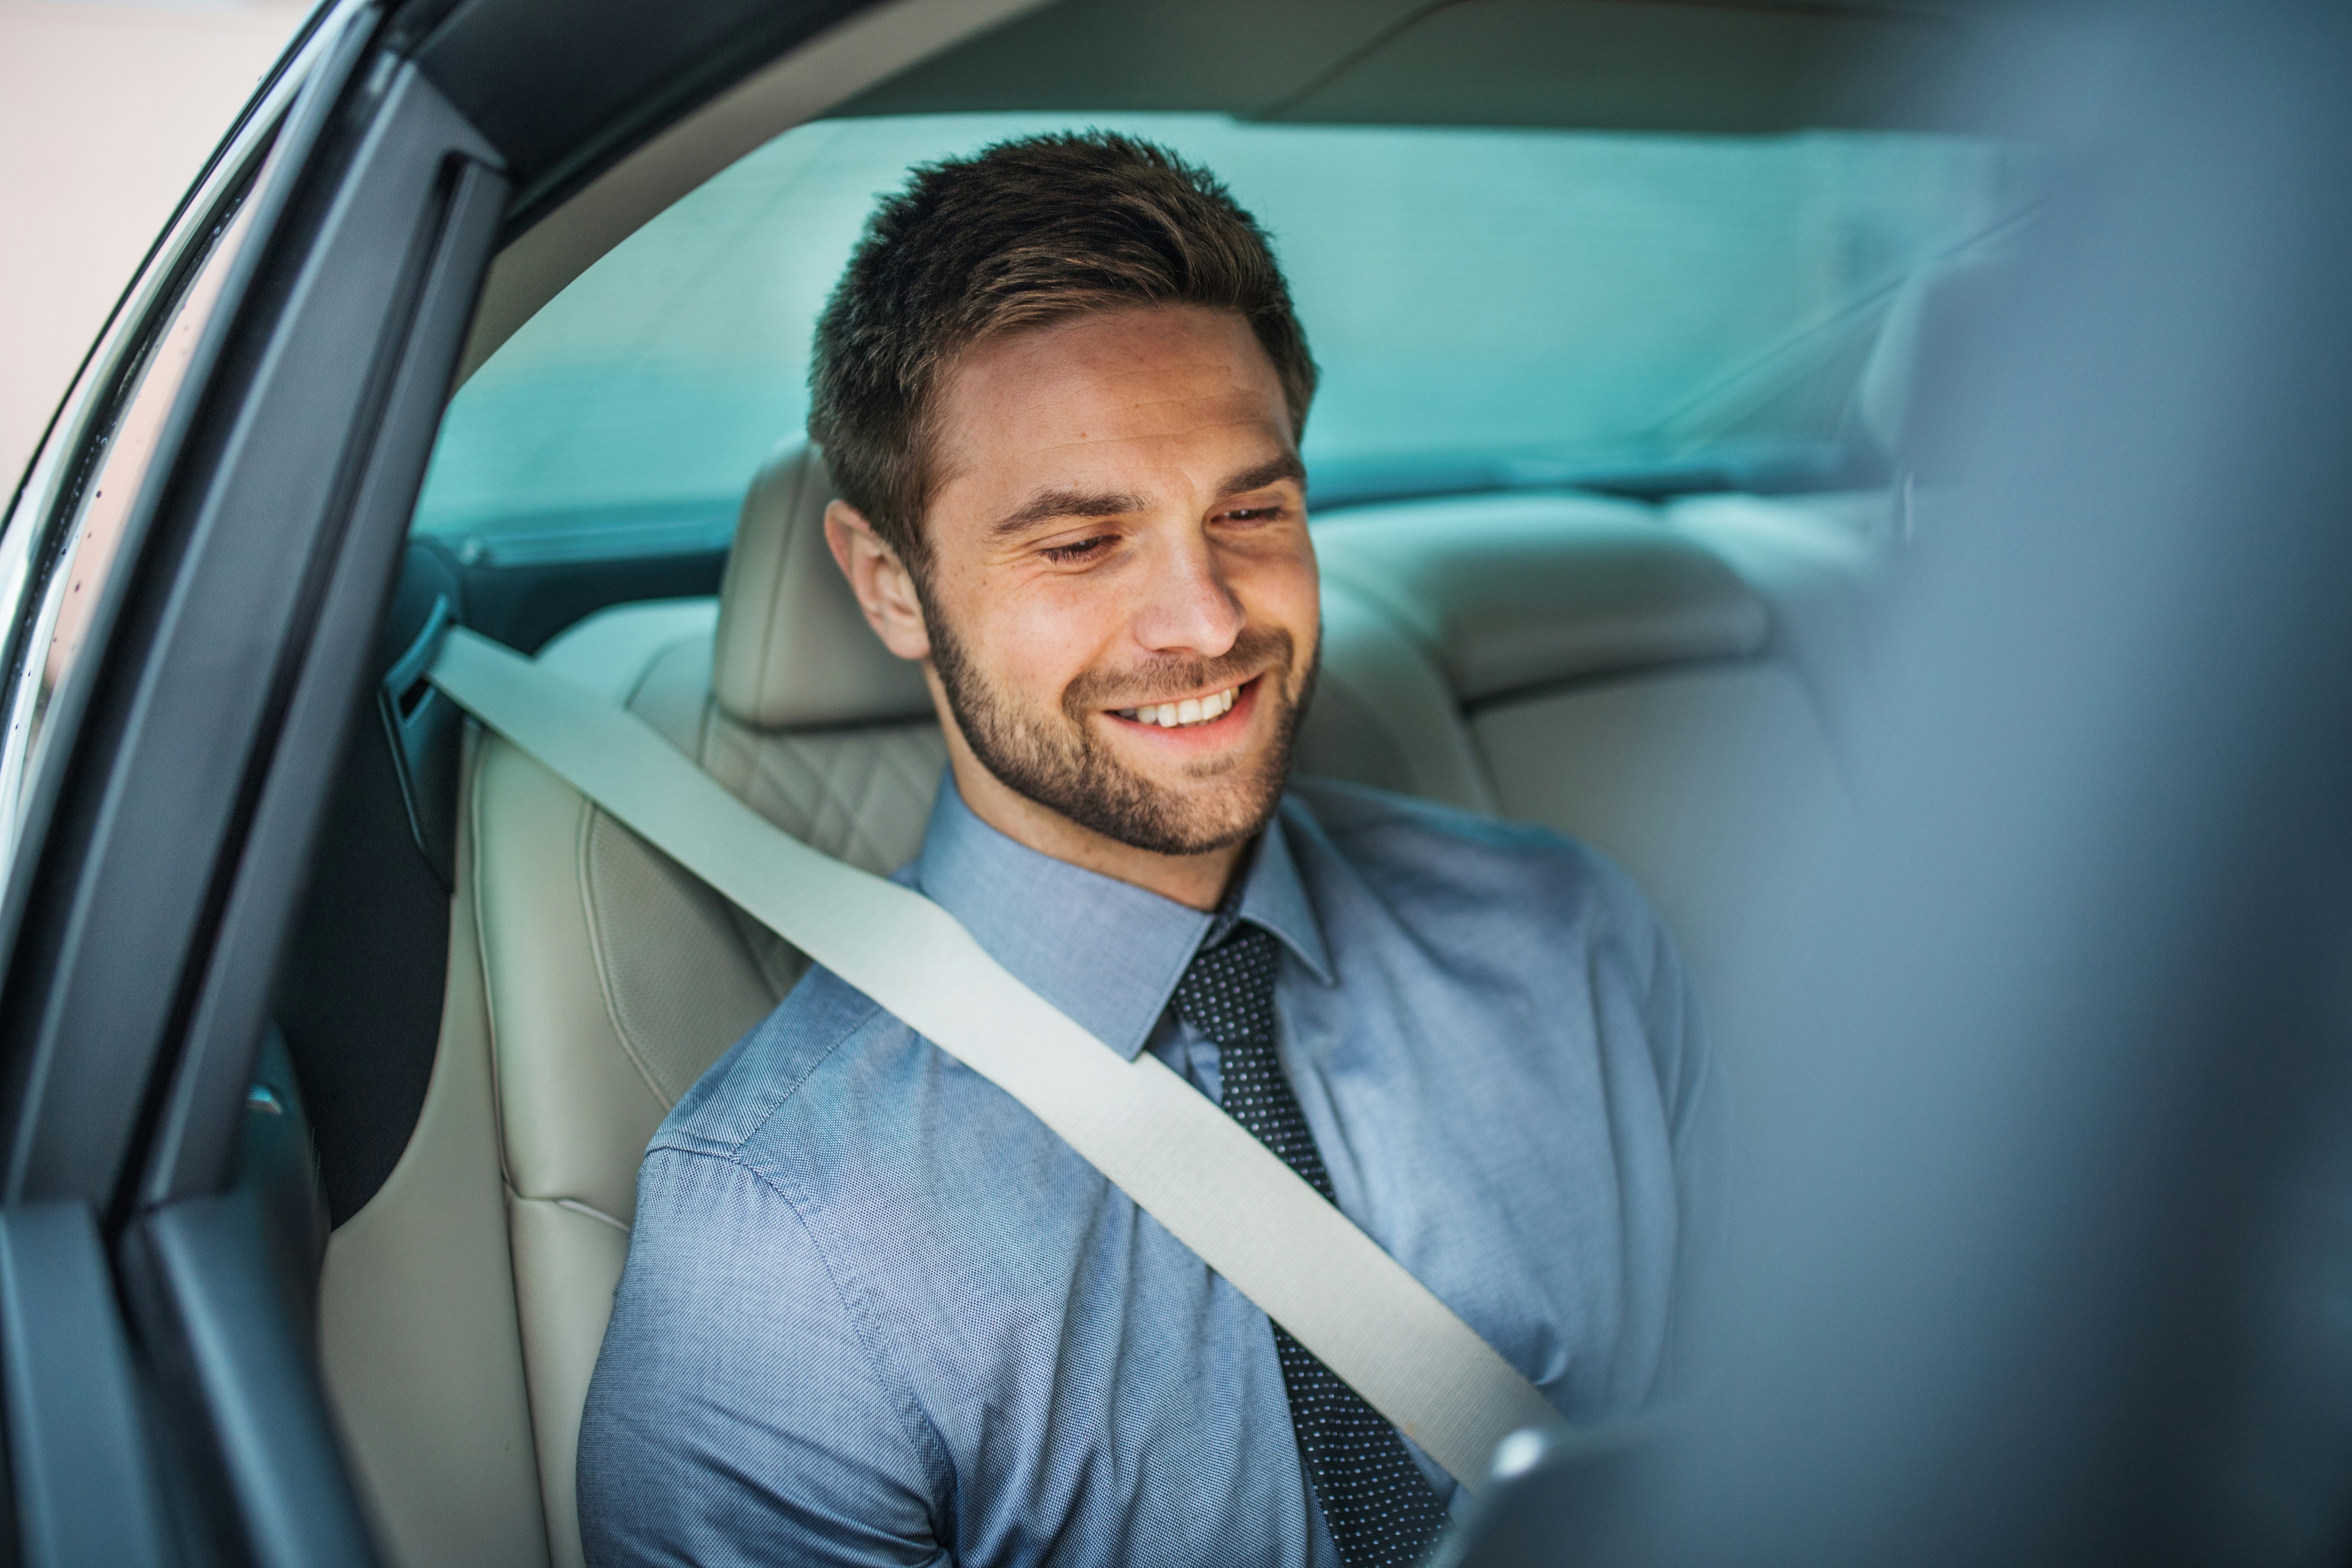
743 1410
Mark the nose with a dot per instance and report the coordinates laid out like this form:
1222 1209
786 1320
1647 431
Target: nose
1188 607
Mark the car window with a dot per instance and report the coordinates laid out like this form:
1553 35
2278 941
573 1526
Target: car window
1558 306
71 561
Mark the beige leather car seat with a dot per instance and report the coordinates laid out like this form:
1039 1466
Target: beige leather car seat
1553 657
1620 681
613 978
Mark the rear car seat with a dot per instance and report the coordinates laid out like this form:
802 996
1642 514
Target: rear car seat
1553 658
1621 682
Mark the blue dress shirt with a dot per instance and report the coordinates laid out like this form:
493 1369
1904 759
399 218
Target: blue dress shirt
875 1312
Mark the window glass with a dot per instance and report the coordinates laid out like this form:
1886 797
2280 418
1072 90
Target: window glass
1592 303
89 535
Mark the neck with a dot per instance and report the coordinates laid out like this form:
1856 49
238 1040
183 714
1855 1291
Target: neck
1197 881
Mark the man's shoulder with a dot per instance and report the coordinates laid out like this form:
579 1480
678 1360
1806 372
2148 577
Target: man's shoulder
1378 833
1449 868
1360 816
797 1050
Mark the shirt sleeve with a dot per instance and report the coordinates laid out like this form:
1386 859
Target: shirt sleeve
743 1410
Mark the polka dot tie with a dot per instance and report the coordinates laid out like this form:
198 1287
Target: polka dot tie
1380 1508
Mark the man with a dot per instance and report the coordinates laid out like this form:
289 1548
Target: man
875 1312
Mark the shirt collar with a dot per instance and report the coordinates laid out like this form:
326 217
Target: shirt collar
1274 897
1106 953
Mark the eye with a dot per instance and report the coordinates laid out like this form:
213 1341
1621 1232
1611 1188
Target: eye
1253 515
1084 549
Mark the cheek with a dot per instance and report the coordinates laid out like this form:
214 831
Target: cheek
1284 591
1039 637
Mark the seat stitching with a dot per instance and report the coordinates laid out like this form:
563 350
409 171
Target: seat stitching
598 943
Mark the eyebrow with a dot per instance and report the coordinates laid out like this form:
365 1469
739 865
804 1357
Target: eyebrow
1287 466
1047 506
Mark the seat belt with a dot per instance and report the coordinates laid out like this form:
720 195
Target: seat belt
1184 1161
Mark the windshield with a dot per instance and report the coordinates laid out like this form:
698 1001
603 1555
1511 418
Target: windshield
1488 307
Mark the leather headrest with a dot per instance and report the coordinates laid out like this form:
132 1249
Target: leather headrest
1514 593
793 648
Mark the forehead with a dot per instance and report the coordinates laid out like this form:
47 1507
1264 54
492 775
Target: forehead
1144 388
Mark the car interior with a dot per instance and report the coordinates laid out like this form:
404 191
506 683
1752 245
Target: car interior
494 992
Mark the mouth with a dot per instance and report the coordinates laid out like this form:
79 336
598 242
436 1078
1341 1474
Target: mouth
1196 712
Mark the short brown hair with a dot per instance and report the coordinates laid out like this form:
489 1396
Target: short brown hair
1027 232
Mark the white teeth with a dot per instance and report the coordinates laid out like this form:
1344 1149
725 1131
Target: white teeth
1190 710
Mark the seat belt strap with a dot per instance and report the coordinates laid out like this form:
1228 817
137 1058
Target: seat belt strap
1184 1161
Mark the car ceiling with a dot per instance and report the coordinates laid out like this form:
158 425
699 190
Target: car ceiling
600 80
563 90
1624 65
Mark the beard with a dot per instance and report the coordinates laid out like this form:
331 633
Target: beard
1055 757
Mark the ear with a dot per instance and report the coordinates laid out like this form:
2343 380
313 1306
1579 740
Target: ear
885 589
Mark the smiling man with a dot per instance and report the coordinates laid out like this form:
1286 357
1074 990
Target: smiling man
875 1311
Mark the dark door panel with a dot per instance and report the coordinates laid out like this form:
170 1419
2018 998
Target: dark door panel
84 1487
265 1484
358 541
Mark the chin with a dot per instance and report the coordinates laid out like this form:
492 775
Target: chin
1159 804
1172 820
1203 828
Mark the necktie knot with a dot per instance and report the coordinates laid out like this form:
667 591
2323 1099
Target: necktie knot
1227 993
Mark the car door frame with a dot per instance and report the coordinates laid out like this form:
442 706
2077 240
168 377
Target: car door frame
163 1404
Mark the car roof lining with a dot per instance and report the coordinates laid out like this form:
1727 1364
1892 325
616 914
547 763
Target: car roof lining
1723 67
1710 67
